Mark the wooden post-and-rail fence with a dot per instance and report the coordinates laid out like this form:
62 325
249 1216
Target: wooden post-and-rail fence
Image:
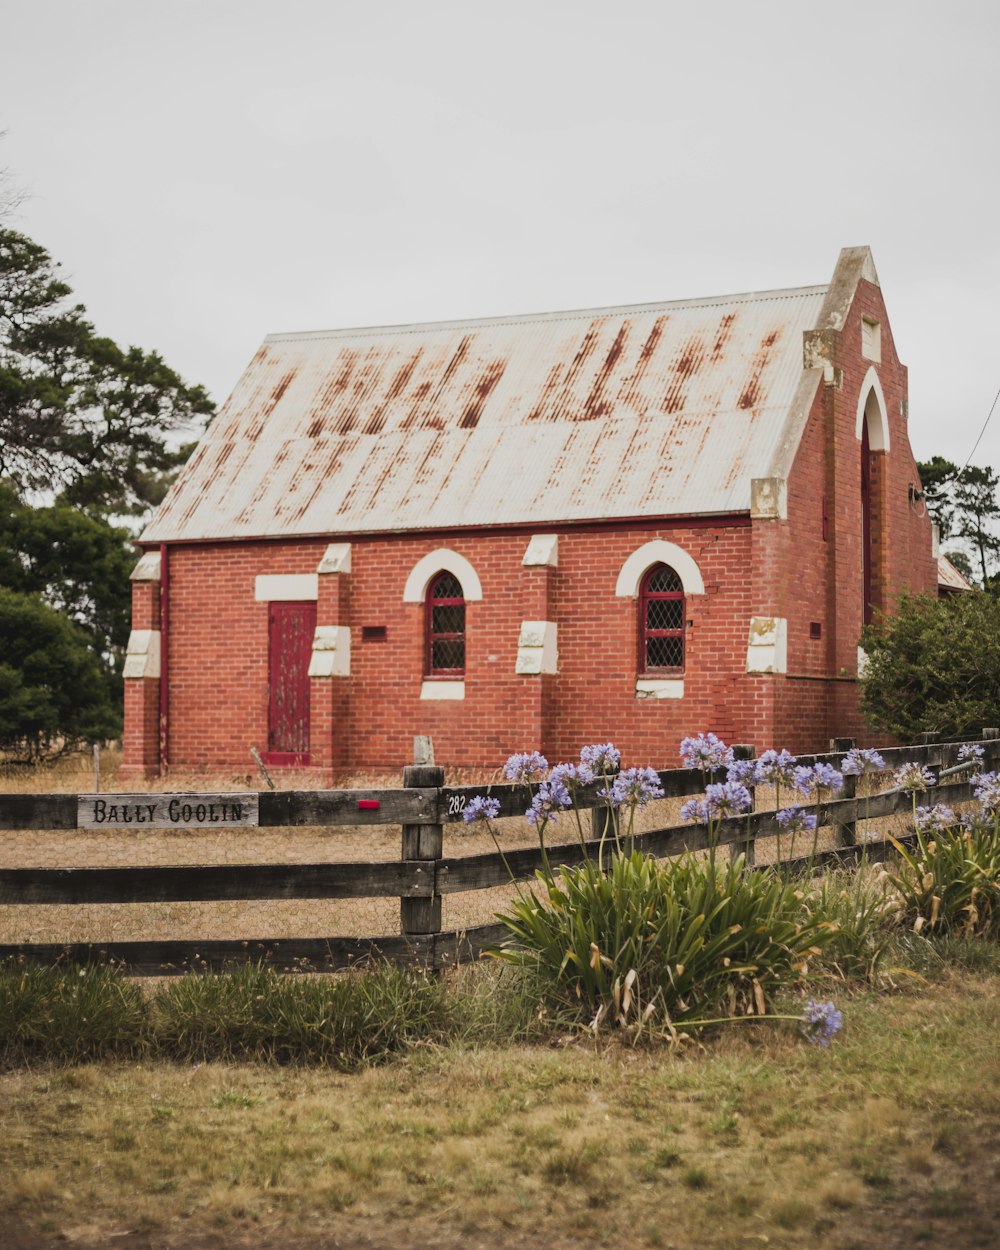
419 879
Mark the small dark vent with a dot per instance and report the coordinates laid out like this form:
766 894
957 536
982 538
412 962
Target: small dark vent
815 629
373 633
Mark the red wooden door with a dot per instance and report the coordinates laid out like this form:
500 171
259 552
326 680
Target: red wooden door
290 635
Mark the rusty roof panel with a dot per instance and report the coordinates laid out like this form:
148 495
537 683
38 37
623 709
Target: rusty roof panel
609 413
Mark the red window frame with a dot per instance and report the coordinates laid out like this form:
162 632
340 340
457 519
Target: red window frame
431 635
647 633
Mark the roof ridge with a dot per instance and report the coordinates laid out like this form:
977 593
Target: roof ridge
570 314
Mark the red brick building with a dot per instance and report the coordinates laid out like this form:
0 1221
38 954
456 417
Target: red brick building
630 523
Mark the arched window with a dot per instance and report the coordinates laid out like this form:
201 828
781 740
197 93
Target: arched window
445 629
661 621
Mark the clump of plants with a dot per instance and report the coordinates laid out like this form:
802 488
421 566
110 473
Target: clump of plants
948 880
256 1013
633 941
69 1014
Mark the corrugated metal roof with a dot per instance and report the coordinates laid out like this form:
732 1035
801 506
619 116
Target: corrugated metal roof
950 578
643 411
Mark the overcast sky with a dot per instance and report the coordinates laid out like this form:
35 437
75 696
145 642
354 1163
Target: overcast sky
208 171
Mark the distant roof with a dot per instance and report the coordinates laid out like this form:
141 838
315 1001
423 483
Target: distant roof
634 412
950 579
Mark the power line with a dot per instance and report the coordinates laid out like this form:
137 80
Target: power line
982 431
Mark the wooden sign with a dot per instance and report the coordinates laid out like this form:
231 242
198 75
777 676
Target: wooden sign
166 811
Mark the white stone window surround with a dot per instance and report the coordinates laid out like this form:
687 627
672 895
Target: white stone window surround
442 688
658 551
442 560
635 568
878 421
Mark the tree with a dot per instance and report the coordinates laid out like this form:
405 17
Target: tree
53 694
79 564
79 414
964 504
933 667
89 432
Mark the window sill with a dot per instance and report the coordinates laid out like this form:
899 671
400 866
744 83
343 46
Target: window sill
659 688
442 688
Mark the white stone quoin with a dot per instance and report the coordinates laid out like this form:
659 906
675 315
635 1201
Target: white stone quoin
536 648
142 654
542 550
336 559
148 568
331 652
767 646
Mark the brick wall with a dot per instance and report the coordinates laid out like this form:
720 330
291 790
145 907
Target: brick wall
806 569
217 650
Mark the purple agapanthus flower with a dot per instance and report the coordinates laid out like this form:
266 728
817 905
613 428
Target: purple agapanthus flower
601 758
861 760
913 778
551 798
970 752
742 772
820 777
775 768
480 808
727 798
526 767
707 752
822 1021
796 819
566 774
633 788
936 819
695 810
987 791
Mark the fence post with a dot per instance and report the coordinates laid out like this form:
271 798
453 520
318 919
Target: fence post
845 832
419 916
748 847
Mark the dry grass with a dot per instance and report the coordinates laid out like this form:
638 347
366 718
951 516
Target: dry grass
888 1139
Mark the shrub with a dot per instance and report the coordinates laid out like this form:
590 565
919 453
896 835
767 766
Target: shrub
933 667
948 881
257 1013
651 941
69 1013
860 906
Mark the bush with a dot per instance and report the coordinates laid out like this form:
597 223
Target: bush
258 1014
948 882
934 667
69 1014
651 941
860 906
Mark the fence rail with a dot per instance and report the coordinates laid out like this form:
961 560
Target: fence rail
419 879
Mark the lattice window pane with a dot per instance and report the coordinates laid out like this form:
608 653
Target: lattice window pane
448 618
664 578
664 614
664 652
447 586
448 653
